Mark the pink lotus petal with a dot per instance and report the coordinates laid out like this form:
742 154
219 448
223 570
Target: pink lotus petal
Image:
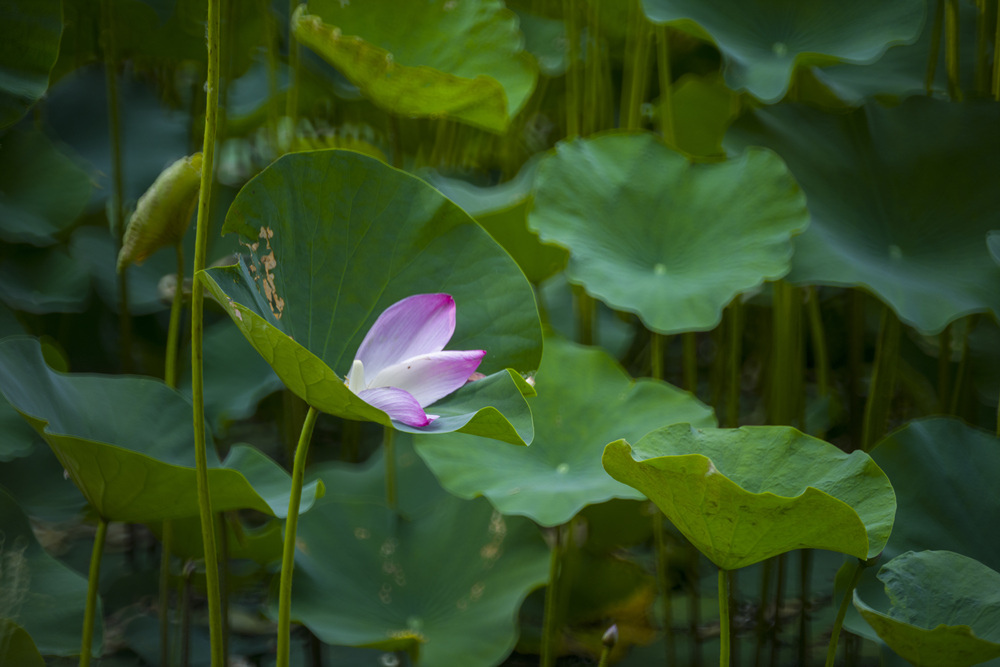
418 324
398 404
430 377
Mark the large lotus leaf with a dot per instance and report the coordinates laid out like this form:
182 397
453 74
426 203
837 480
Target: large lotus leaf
43 596
364 577
127 443
919 208
261 544
744 495
460 60
902 71
942 470
29 45
44 190
585 399
702 109
336 238
945 609
763 41
16 646
43 280
670 240
502 211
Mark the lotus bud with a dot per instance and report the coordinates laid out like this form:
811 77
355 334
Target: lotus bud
163 213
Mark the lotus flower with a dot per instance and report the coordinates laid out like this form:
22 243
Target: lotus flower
401 367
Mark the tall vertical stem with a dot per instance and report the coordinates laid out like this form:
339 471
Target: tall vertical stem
883 380
573 83
295 65
786 355
288 549
117 212
734 363
666 84
689 345
805 570
996 58
723 619
935 51
636 73
197 332
831 652
963 365
551 601
951 54
663 586
174 327
93 578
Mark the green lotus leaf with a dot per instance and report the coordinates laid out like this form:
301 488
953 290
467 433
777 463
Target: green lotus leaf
16 646
763 41
585 399
44 190
335 238
945 609
30 31
43 280
744 495
460 60
651 233
40 594
364 577
502 210
920 202
127 443
703 107
261 544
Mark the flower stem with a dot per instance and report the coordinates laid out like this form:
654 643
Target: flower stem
996 60
551 598
735 363
723 618
295 65
656 355
831 652
174 327
666 84
663 586
197 331
117 187
882 382
288 551
951 54
935 50
388 440
90 612
636 72
573 83
689 345
166 545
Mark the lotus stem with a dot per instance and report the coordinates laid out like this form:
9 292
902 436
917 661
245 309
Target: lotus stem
935 51
90 611
288 550
170 370
996 60
831 652
882 382
295 65
689 380
548 657
656 355
663 587
666 84
951 55
197 343
959 385
735 365
573 83
723 618
805 569
637 68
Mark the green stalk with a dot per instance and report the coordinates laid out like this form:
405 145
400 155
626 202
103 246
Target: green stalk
117 187
288 549
294 64
186 614
586 316
767 570
818 338
636 73
666 84
883 381
90 611
689 342
656 355
779 598
982 68
959 387
271 50
785 385
805 567
573 84
166 545
551 597
944 367
935 51
735 363
996 59
592 72
663 586
224 584
951 54
174 327
197 344
694 603
389 443
723 619
831 652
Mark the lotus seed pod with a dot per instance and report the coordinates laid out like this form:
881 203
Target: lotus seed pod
163 213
